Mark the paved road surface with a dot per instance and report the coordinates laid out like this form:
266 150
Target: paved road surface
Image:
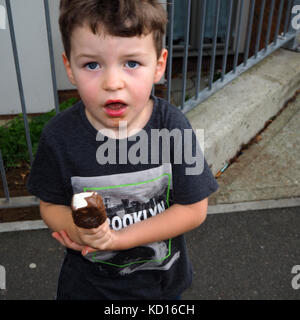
241 255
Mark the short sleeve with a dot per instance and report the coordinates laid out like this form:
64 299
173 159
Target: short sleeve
193 180
45 179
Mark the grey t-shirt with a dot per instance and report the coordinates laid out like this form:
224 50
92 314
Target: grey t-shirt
146 173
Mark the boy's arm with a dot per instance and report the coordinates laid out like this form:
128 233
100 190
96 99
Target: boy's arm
59 217
172 222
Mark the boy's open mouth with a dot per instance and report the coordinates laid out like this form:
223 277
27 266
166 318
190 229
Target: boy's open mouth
115 108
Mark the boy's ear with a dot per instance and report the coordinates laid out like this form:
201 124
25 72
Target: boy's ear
68 69
161 65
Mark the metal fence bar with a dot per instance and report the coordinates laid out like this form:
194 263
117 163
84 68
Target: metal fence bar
170 47
153 90
261 16
214 46
51 54
249 32
225 56
19 77
186 51
278 21
200 47
270 20
291 14
287 17
230 76
238 36
4 179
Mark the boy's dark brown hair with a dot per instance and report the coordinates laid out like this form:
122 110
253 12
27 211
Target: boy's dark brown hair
123 18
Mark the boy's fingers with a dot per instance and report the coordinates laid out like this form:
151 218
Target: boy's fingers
69 243
64 235
64 240
87 250
58 237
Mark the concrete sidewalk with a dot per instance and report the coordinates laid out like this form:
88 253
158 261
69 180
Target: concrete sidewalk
270 168
237 112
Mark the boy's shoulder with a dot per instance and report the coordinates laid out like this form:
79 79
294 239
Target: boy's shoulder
171 116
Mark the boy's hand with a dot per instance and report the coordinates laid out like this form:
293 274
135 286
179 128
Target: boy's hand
63 238
101 238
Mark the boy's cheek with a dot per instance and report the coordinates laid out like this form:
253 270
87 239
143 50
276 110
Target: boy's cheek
86 93
85 86
144 84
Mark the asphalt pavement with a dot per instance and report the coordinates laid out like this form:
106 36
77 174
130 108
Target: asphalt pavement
240 255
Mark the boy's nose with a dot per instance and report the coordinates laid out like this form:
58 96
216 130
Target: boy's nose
112 81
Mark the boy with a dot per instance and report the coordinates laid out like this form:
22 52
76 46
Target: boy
113 55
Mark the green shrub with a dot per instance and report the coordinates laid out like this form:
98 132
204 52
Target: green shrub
13 144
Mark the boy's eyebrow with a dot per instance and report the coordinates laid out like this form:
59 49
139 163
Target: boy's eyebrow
129 55
86 55
135 54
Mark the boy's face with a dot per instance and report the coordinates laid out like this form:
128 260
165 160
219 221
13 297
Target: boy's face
114 77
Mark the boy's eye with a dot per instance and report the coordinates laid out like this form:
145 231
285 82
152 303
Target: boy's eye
92 65
132 64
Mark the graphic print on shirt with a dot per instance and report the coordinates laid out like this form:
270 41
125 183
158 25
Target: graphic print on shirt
130 198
